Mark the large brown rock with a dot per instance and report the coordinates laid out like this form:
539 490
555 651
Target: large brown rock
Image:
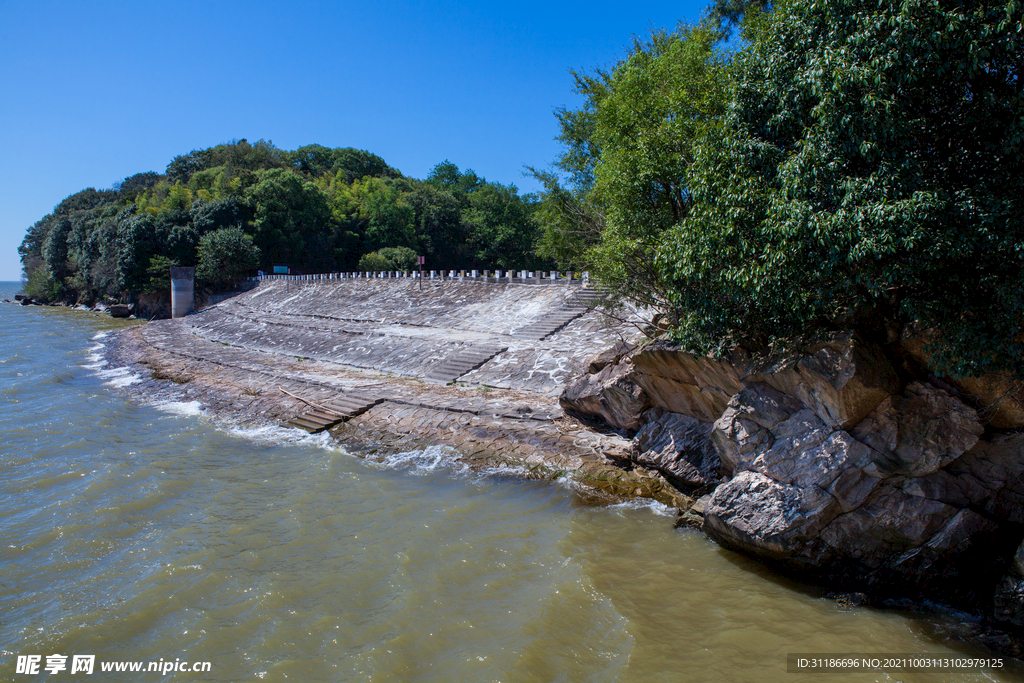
745 427
754 513
611 395
678 446
814 496
682 382
842 379
922 431
120 310
989 477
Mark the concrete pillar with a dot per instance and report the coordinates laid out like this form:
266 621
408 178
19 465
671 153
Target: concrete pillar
182 291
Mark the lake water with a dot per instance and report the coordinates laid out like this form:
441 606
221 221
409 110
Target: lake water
152 532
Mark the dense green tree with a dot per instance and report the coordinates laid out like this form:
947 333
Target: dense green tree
388 217
132 185
502 231
728 14
159 275
219 213
225 256
628 154
439 226
870 172
388 259
291 220
183 167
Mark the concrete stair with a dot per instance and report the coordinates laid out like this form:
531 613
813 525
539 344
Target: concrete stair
461 362
578 303
330 413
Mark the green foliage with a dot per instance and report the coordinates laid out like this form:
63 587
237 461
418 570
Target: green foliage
387 217
40 285
869 173
314 208
353 164
225 256
628 153
159 273
727 14
389 259
291 220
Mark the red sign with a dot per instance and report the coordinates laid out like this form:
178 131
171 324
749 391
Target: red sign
420 260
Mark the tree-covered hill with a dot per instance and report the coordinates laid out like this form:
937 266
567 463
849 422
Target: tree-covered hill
236 207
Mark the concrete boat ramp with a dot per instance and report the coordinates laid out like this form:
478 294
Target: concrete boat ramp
381 363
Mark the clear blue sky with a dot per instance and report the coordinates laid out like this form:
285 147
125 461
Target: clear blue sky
93 92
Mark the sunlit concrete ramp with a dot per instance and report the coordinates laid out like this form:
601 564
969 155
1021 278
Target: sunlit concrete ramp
512 336
464 360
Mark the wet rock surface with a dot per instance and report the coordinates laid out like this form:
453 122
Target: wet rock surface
679 447
836 468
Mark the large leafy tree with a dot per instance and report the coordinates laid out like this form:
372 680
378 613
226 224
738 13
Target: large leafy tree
226 255
628 153
871 171
291 221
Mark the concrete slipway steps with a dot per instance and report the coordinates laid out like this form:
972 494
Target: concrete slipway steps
579 303
462 361
471 357
330 413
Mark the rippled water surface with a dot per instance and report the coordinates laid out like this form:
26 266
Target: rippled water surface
141 532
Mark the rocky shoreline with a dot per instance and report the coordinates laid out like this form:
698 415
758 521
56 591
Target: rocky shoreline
523 432
844 463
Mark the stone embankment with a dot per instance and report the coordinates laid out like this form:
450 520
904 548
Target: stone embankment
478 366
844 461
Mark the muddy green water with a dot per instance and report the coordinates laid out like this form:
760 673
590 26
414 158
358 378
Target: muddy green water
140 532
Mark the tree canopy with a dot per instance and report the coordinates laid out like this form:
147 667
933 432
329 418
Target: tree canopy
856 163
315 209
869 173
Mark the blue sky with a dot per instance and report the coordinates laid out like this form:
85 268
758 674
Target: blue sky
93 92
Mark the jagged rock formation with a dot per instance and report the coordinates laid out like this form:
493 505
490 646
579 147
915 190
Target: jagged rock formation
833 461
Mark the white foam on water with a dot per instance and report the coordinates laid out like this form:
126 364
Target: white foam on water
507 471
100 335
180 408
425 461
95 360
119 377
654 506
274 435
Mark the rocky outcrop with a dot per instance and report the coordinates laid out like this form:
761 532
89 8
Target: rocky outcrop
679 447
833 467
685 383
852 506
610 394
922 431
841 380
